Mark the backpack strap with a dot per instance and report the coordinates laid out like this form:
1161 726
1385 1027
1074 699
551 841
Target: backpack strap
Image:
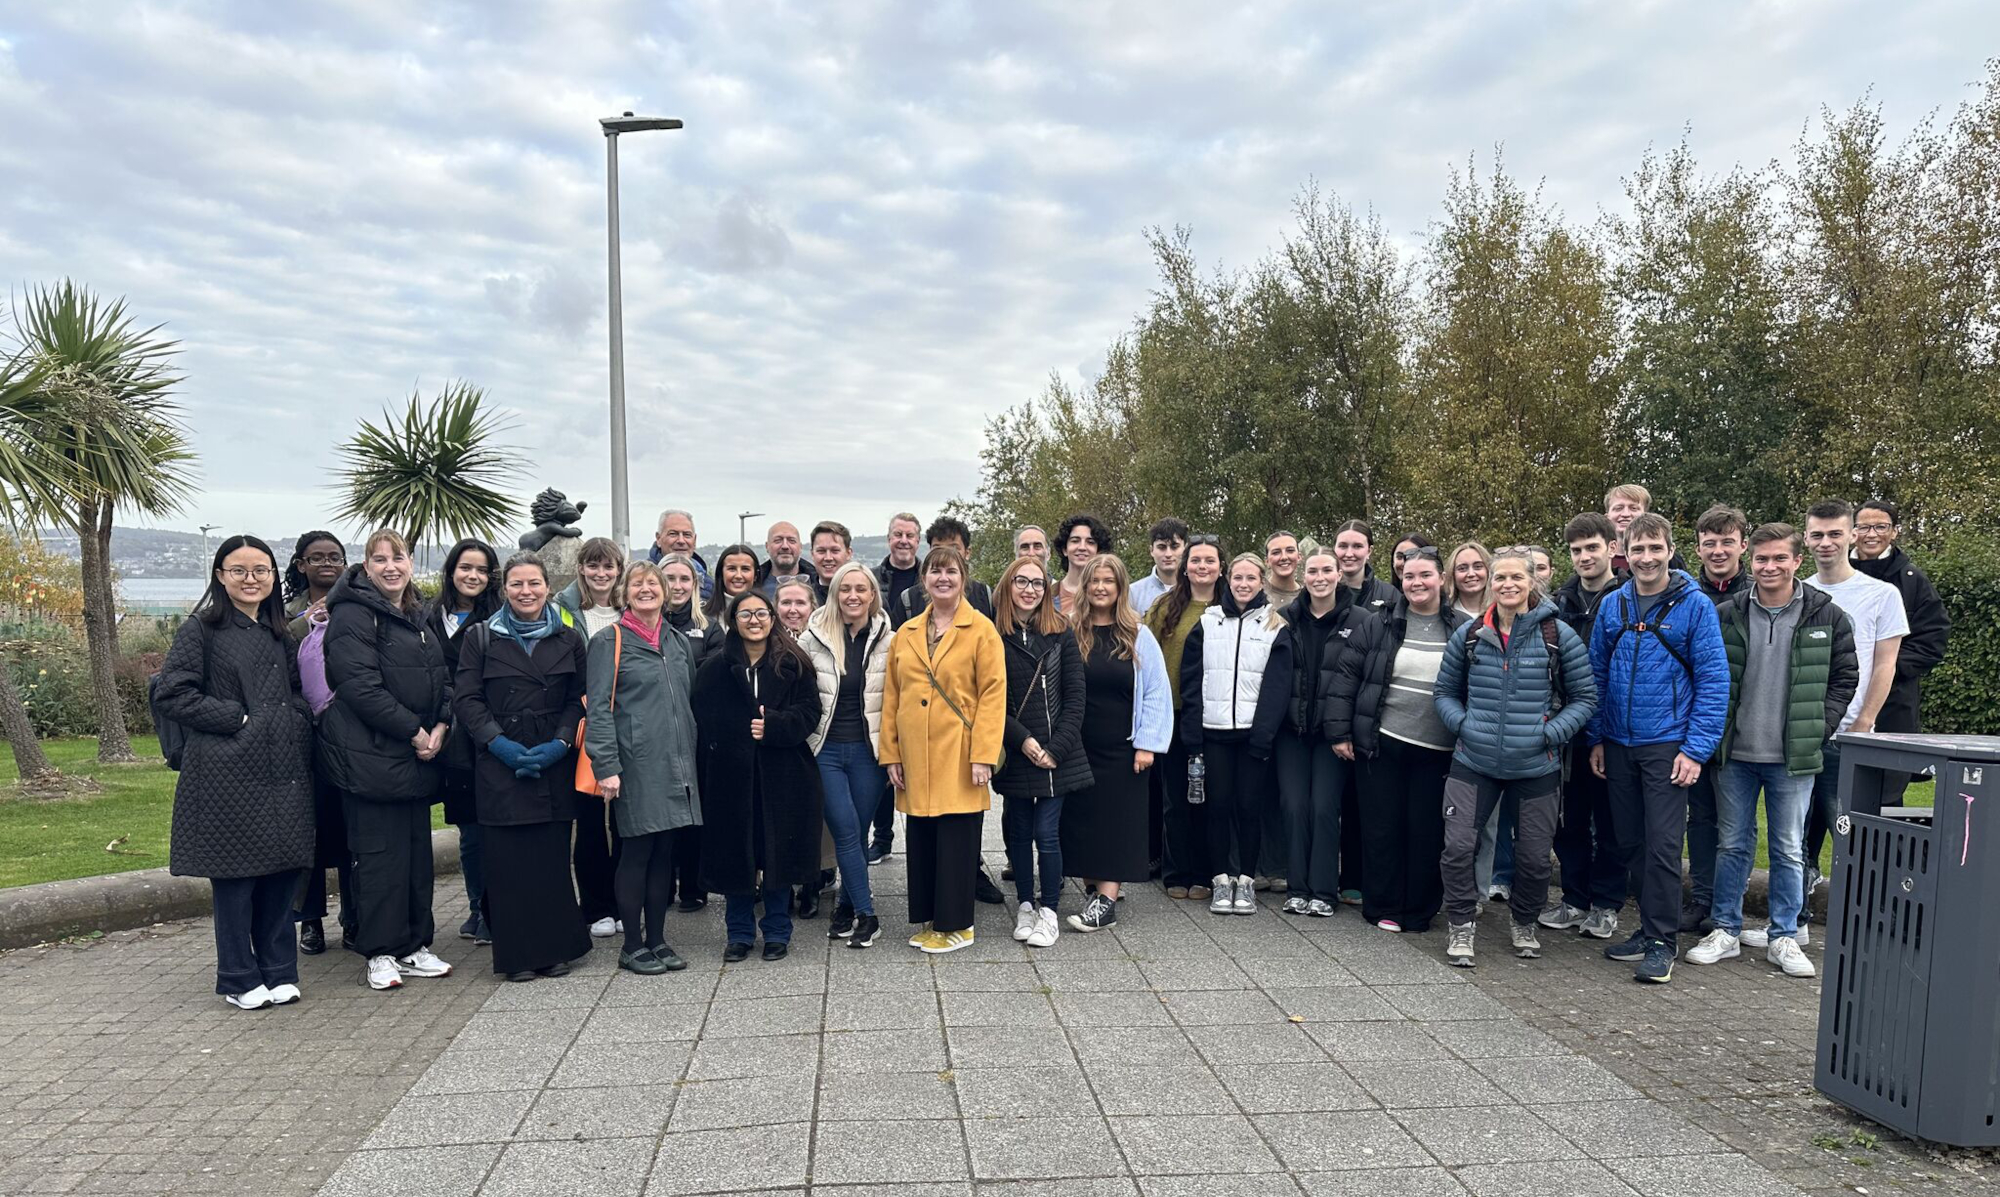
1627 624
1558 689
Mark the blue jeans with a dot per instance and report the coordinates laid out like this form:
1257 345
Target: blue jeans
1028 825
739 915
1785 802
853 783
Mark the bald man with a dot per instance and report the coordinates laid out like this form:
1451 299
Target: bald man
784 556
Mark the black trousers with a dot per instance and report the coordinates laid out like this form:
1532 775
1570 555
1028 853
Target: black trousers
1898 714
1470 798
1311 780
1402 832
390 843
885 824
1184 827
1649 817
1239 787
687 864
253 931
1593 872
943 862
595 858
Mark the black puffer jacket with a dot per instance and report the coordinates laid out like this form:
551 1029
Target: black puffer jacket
1318 639
1352 682
389 682
243 804
531 698
1051 712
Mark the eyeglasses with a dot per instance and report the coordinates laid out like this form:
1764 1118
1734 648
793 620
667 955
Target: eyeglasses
1875 529
325 558
237 573
753 615
1406 554
1024 582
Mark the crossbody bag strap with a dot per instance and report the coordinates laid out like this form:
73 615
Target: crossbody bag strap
947 698
1029 692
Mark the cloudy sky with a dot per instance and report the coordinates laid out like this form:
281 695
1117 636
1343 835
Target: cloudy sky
883 223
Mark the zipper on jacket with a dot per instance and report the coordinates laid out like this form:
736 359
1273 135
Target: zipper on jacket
1236 672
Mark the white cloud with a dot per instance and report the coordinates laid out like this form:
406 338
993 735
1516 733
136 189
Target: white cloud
884 221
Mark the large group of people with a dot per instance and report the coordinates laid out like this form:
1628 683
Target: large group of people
1278 720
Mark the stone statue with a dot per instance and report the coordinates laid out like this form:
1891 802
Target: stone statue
555 537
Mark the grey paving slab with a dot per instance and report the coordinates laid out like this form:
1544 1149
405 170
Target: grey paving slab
1493 1039
1079 1186
1640 1127
871 1096
992 1047
681 1021
872 1011
1442 1003
770 1055
1025 1012
524 1028
1028 1092
598 1168
1168 975
1549 1079
1041 1148
874 972
731 1018
1158 1089
1294 1088
1222 1007
1549 1178
1098 1009
598 1064
1729 1175
1064 976
882 1152
1345 1041
628 1111
1383 1182
1342 1140
745 1101
1133 1045
1417 1084
1256 1184
449 1118
1335 1004
1283 972
1472 1135
885 1051
443 1171
759 1157
971 976
1274 1043
1192 1144
486 1070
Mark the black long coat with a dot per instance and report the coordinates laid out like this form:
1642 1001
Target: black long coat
531 698
761 803
389 682
243 805
1050 711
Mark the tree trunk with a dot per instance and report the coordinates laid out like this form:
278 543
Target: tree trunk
100 629
29 759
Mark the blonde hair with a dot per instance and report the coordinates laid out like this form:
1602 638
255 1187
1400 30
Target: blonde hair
833 603
1450 568
658 570
1124 621
1524 554
1631 492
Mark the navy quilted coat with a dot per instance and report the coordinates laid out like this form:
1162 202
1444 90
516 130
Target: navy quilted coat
1502 708
1648 697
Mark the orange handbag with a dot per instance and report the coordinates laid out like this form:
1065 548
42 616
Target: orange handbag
586 777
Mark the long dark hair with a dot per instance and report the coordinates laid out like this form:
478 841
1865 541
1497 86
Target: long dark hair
215 604
487 601
718 602
295 569
1173 607
780 646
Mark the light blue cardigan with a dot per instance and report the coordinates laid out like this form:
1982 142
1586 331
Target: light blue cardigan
1152 696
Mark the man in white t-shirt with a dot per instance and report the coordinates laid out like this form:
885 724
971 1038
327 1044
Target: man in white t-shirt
1880 624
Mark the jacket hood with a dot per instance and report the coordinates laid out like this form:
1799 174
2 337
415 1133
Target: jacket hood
1886 568
355 586
1299 611
1235 610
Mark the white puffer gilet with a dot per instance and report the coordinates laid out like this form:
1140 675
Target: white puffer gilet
1234 651
821 640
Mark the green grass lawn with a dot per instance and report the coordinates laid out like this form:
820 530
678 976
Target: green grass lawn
53 841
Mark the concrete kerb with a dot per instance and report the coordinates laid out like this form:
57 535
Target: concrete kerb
32 914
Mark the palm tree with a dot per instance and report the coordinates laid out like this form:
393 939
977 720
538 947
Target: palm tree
432 469
25 488
108 438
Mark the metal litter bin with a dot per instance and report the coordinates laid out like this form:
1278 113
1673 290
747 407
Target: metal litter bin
1909 1015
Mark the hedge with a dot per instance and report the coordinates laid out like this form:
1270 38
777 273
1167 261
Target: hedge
1962 695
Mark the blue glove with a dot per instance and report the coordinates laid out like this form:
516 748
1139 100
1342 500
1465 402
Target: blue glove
509 753
527 771
544 756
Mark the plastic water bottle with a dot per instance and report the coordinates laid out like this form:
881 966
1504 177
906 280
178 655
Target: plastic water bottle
1197 781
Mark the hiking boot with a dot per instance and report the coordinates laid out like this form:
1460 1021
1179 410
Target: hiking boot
1563 917
1459 950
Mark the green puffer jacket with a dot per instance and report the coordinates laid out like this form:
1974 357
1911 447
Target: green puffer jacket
1823 673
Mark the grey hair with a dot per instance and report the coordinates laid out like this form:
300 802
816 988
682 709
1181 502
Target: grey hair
669 513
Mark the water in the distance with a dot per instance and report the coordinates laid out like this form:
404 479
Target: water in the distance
160 596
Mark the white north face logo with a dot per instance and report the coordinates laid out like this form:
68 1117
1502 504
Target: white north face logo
1346 632
1816 634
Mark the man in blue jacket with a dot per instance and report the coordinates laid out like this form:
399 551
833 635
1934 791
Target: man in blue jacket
1663 686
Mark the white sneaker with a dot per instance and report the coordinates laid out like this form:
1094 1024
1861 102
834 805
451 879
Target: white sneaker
604 928
256 999
1223 899
284 995
1048 928
1245 901
1563 917
1459 950
1499 893
1784 952
383 973
1718 945
1024 922
423 963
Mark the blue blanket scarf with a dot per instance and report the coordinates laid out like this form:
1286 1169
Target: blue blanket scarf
505 624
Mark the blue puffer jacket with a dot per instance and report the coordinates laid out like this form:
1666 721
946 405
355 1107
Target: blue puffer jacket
1503 709
1647 696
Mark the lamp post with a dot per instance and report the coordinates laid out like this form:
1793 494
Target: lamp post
743 518
205 530
621 505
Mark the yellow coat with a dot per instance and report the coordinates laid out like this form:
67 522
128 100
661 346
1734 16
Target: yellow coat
919 731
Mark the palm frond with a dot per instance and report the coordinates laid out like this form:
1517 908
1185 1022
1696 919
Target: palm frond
433 467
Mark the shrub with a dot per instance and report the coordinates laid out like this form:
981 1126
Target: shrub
1962 695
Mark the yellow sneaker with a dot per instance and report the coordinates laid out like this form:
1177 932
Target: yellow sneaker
948 941
922 936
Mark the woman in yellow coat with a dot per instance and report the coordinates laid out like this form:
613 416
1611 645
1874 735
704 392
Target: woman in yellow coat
944 713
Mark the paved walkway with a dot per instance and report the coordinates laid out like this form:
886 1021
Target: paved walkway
1183 1053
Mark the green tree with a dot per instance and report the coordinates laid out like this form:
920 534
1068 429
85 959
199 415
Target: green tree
1706 396
26 489
434 468
108 438
1515 370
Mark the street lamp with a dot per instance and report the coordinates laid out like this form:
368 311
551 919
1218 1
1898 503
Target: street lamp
621 513
205 530
742 518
